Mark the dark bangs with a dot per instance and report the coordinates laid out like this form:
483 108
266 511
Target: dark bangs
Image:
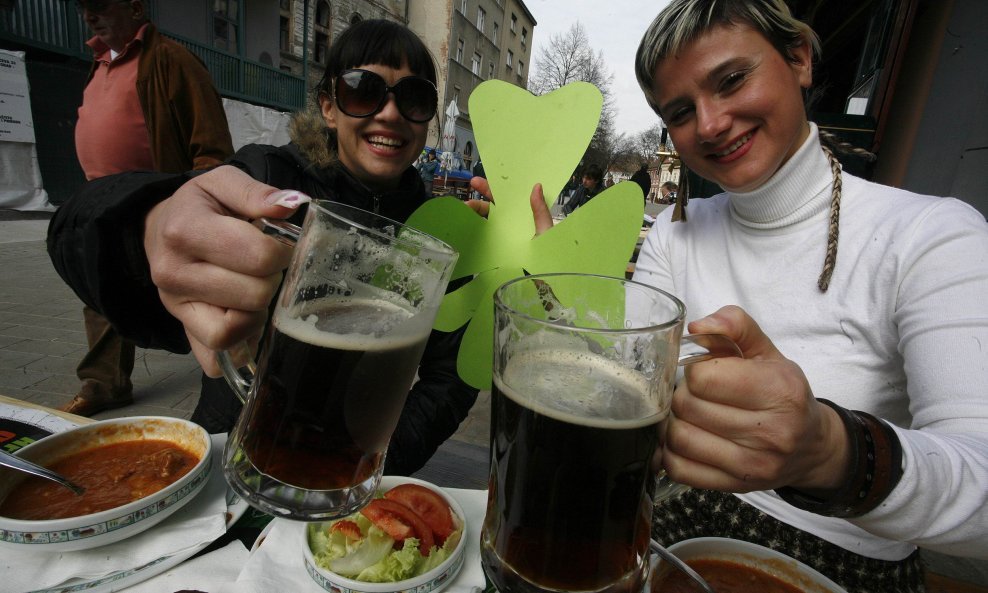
381 42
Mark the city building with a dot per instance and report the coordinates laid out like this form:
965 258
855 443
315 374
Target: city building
473 41
263 55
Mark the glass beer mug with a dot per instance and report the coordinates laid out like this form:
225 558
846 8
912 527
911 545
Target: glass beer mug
338 357
584 368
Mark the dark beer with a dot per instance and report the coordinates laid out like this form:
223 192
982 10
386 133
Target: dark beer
329 395
572 437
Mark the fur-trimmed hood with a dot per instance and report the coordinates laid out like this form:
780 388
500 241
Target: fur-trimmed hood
309 133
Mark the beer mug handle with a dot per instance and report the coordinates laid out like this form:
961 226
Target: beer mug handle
237 363
694 348
700 347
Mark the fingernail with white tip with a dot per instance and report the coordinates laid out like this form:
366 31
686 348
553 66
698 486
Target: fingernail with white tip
289 198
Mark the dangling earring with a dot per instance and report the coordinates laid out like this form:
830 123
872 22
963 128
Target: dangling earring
682 194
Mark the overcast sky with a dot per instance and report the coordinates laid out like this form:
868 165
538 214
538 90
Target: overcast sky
615 28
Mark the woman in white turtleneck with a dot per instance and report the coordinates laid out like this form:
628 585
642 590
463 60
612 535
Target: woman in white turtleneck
856 427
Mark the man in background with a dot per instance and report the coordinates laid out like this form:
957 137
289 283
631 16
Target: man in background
428 169
669 189
590 186
149 104
644 180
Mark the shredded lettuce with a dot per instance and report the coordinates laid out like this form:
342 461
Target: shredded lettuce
373 558
333 551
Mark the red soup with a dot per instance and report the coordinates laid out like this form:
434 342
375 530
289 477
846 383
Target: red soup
724 577
112 475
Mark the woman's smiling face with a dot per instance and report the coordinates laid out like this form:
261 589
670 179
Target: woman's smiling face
376 149
734 105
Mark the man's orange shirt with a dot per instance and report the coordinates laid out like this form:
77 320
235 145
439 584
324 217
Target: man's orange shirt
111 135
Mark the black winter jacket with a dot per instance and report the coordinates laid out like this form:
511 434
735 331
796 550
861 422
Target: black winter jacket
95 243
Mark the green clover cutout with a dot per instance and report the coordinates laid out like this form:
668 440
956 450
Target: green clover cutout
526 140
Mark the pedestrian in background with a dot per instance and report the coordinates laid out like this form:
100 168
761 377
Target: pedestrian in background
478 171
590 186
149 104
428 169
643 179
669 190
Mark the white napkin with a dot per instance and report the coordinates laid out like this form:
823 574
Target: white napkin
276 565
200 521
203 573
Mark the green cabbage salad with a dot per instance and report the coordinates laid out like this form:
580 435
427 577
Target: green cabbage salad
372 558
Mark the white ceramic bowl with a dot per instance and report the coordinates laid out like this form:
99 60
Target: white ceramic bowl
106 527
430 582
765 559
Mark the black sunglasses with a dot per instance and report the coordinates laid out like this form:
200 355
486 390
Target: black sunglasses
362 93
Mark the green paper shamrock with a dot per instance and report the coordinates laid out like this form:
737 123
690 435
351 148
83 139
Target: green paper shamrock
526 140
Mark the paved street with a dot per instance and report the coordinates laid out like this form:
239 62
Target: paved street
42 339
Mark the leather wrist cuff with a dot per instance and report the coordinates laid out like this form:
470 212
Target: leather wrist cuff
876 467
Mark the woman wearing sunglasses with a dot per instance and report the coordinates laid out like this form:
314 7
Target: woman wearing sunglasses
190 271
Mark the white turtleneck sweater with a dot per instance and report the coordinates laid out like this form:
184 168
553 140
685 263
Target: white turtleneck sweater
902 332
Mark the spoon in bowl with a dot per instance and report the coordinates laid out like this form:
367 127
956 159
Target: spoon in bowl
8 460
675 561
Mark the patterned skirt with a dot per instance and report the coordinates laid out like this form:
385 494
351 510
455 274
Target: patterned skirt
705 513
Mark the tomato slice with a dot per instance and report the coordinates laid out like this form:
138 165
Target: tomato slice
429 505
348 528
399 522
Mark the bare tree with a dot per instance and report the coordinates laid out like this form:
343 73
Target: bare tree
567 58
646 143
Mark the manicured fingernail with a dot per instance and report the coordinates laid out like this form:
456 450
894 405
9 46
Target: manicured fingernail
289 198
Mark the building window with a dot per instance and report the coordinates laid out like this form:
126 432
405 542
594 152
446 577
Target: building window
284 34
524 35
459 51
511 58
225 24
322 14
494 30
475 63
514 22
322 47
521 67
481 18
463 7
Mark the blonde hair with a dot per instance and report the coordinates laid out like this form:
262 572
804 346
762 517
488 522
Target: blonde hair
683 21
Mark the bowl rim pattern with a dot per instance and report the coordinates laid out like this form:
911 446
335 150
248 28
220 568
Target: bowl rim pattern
57 536
435 579
85 531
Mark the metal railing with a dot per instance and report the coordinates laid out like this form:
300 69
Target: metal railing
250 81
56 26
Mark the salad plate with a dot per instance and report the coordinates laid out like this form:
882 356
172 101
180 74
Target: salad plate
419 498
278 553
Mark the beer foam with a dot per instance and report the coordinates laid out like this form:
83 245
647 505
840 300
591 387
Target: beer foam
582 388
354 324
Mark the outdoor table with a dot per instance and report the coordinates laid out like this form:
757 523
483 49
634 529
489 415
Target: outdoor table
455 465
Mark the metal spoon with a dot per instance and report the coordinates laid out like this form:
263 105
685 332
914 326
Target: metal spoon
675 561
23 465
